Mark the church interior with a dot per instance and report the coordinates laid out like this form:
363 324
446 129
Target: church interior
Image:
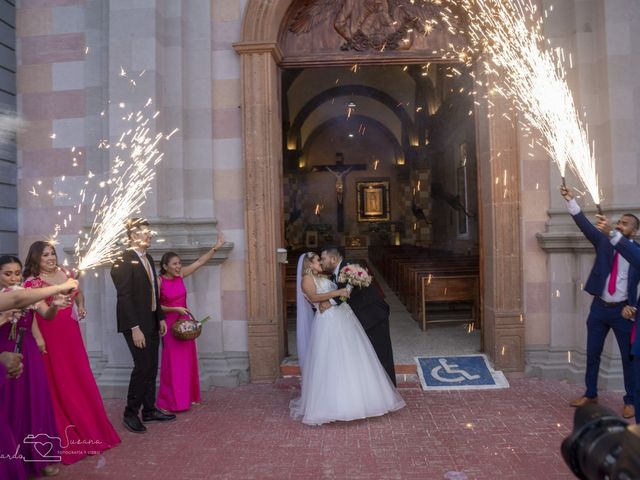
381 161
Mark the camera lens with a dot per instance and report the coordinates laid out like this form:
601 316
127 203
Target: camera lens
593 448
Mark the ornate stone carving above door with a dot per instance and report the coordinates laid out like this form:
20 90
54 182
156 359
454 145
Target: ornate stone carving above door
368 29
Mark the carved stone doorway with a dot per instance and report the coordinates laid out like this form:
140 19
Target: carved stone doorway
261 58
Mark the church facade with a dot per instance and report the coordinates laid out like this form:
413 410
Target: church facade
260 90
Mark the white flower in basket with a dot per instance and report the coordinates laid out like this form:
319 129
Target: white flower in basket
188 328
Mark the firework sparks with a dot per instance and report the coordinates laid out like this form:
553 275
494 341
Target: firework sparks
509 35
132 174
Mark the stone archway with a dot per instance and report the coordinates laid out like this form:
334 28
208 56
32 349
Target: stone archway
499 186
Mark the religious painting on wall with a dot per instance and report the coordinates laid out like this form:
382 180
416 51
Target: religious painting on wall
463 221
372 200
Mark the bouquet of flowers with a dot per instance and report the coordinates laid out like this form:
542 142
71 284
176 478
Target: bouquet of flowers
354 276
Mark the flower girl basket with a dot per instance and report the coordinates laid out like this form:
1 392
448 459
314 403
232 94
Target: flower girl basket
187 327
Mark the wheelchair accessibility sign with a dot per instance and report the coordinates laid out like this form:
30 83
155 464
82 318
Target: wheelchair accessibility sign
459 372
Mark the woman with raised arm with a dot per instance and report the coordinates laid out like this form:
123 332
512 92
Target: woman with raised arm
179 377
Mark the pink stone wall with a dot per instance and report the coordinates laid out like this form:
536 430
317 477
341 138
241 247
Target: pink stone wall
45 108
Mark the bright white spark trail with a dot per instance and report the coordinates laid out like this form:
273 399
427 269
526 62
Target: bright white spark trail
508 34
132 174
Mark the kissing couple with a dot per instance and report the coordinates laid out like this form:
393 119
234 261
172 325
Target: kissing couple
344 347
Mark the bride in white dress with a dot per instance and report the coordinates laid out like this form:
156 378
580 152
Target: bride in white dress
342 378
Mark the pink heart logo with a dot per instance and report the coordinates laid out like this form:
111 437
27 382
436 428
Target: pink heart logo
43 448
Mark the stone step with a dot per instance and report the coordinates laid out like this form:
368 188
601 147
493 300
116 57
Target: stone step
406 374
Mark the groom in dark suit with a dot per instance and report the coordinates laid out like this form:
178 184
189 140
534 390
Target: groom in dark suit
614 285
141 321
368 305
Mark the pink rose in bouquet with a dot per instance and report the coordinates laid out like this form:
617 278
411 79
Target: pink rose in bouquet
354 275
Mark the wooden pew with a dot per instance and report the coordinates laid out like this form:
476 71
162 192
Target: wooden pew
382 256
425 256
414 300
450 288
407 267
409 287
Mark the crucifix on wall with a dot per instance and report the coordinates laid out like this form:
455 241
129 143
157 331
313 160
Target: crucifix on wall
340 170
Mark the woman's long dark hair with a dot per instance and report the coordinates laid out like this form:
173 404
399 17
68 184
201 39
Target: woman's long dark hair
7 259
166 258
32 263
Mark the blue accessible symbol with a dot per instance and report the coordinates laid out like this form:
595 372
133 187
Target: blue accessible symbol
465 372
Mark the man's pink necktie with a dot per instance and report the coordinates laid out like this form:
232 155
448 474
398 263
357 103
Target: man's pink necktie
614 275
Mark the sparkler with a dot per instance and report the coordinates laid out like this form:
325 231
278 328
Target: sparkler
129 180
136 162
510 34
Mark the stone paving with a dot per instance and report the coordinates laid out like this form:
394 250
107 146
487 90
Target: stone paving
246 433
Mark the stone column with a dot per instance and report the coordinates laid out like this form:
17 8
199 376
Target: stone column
499 181
262 151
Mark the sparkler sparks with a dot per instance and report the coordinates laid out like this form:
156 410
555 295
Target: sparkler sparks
141 154
128 196
509 35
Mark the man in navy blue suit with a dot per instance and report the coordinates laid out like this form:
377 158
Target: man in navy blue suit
631 252
613 284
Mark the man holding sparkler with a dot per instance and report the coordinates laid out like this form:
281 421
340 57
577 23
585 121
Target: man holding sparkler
630 251
613 284
141 321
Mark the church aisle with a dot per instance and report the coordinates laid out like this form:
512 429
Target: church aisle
246 433
409 341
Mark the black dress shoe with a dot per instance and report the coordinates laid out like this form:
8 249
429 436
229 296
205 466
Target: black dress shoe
158 416
134 424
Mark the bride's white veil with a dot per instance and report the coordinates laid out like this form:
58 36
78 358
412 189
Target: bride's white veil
304 316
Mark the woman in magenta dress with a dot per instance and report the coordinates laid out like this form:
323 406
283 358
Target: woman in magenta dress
80 414
179 378
26 401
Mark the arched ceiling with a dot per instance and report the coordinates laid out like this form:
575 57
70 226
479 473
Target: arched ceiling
404 99
338 108
390 94
392 80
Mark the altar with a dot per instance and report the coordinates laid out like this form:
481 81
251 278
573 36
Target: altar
356 246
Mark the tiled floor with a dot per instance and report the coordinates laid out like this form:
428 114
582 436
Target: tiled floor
246 433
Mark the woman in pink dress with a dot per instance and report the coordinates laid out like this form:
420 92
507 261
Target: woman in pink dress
179 378
79 411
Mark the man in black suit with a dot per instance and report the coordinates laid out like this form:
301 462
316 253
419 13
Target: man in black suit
368 305
141 321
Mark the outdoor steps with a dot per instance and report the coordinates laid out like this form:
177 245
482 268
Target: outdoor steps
406 374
